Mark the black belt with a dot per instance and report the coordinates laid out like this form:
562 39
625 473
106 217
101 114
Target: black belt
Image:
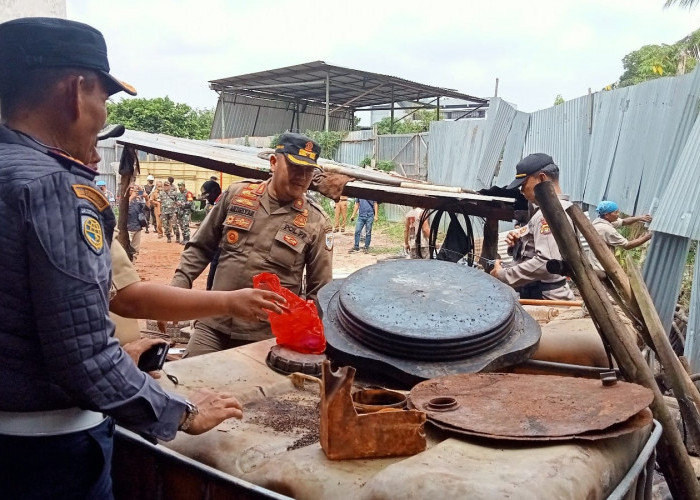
534 290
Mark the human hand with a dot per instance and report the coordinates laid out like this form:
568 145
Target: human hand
250 304
645 218
136 348
376 218
213 409
496 268
512 237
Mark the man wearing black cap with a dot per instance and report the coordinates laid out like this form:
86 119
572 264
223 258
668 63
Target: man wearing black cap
533 245
61 369
261 226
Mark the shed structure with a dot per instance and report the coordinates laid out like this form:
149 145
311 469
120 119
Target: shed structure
314 96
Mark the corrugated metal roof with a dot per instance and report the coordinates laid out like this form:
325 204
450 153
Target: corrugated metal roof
245 162
663 272
347 86
238 115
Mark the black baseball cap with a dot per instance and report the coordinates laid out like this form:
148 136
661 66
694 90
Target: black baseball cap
529 165
37 42
111 131
298 149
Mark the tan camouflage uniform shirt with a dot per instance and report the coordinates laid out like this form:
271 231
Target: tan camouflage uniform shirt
539 246
295 237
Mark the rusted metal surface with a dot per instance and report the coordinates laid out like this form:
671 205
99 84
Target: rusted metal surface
347 435
419 319
530 406
639 421
371 400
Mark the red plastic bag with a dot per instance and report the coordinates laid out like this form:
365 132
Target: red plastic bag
300 329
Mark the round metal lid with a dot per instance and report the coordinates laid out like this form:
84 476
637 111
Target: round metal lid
426 309
508 405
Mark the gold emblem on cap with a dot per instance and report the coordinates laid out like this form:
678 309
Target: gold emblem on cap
309 146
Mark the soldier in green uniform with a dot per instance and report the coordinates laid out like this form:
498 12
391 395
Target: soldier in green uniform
168 212
261 226
184 209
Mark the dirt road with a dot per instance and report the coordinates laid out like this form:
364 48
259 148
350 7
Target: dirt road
158 260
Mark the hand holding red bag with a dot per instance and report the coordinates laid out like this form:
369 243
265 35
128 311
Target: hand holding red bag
299 328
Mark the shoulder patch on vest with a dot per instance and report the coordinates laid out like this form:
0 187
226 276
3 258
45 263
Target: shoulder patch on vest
91 194
91 230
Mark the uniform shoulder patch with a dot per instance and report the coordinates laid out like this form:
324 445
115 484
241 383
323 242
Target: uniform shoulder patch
329 240
544 227
91 230
91 194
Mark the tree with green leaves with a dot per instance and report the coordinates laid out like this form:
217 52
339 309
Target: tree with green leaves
420 122
558 100
655 61
161 116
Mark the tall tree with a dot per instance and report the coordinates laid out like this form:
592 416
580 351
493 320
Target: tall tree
161 116
655 61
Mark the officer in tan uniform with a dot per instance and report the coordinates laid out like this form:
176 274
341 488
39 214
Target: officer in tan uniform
261 226
533 245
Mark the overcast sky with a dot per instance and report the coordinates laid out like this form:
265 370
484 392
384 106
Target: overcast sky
537 49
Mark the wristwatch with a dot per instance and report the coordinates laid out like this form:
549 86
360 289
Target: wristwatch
192 412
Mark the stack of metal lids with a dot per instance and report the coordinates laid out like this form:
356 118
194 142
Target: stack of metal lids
413 320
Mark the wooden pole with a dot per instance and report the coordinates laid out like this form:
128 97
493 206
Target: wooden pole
602 252
672 455
684 389
553 303
613 270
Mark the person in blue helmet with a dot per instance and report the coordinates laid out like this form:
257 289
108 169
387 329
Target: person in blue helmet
107 193
606 225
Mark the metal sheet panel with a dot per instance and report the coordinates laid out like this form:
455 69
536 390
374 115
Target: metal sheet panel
513 149
679 207
455 149
663 273
562 131
692 335
500 116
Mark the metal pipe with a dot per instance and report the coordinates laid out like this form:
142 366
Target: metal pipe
641 463
566 368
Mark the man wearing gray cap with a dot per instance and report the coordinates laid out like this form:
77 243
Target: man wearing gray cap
533 244
61 370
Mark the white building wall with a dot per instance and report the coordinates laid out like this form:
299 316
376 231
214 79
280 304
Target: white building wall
12 9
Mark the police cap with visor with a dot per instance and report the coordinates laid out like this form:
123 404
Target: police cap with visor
529 165
43 42
298 149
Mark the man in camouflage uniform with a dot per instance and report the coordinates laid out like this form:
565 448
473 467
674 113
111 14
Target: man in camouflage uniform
261 226
168 212
184 209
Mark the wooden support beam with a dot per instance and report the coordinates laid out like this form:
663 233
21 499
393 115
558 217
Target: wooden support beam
672 455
